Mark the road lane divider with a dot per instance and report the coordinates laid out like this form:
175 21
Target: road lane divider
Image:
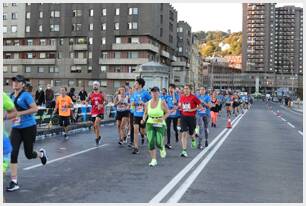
301 133
64 157
174 181
291 125
188 182
283 119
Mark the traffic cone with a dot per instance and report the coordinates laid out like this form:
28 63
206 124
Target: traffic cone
228 123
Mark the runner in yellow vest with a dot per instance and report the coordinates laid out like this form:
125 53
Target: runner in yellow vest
157 111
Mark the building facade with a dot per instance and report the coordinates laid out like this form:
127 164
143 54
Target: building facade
75 44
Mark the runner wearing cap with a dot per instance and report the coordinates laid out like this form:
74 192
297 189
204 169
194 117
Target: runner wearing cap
23 129
156 110
97 100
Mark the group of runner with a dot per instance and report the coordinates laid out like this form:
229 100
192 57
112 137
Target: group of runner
139 111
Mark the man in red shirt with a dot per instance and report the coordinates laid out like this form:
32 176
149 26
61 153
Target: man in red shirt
188 105
97 100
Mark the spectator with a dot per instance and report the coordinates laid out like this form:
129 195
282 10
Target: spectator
83 94
72 95
40 97
50 103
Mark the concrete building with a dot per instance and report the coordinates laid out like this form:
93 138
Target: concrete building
74 44
181 67
13 20
196 66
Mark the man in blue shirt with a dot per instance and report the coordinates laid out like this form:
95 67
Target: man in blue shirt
138 100
23 129
163 95
172 99
203 116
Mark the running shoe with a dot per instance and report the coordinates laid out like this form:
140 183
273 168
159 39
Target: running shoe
200 147
163 152
153 163
130 144
135 151
120 142
44 157
193 144
206 143
98 140
168 146
184 153
12 187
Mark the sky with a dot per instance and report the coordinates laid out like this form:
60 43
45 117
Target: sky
214 16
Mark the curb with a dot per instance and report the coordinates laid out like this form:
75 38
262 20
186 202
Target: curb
83 128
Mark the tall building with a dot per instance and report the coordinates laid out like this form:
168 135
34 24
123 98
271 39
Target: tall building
74 44
196 65
181 67
13 20
258 37
289 40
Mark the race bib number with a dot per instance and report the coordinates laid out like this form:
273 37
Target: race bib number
17 121
139 109
186 107
203 110
173 113
158 125
64 109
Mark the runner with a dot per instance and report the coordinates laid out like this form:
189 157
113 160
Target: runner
23 129
9 113
172 100
156 110
122 116
203 116
214 109
97 100
163 95
235 104
64 105
228 104
138 100
188 104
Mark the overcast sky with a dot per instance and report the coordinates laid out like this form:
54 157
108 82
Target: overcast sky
214 16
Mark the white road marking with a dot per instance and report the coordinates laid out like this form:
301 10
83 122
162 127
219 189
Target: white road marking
64 157
291 125
301 133
183 188
283 119
163 193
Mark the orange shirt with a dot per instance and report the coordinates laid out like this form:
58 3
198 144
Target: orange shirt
63 104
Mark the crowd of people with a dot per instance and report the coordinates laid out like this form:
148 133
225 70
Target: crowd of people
141 114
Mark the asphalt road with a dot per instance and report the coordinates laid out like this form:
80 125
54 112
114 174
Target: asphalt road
258 160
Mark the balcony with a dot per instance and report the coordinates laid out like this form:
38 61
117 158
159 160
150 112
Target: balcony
165 54
80 47
134 46
79 61
29 48
29 61
123 75
134 61
179 64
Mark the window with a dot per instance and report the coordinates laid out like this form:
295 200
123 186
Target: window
57 83
103 68
28 29
90 27
42 42
161 32
77 12
14 4
14 16
132 55
135 25
30 55
75 69
170 39
53 69
41 69
180 49
103 12
90 83
29 42
28 15
117 11
4 69
117 55
91 12
118 40
104 55
42 55
103 83
170 26
5 4
90 40
103 40
117 26
61 41
54 27
89 55
161 19
116 84
27 69
132 25
133 11
59 55
41 14
135 40
76 27
4 29
179 29
53 42
89 70
72 55
14 69
4 16
71 83
14 29
55 14
40 28
103 26
132 69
